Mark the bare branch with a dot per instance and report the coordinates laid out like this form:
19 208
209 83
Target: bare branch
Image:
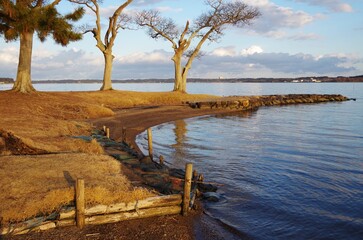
190 52
158 26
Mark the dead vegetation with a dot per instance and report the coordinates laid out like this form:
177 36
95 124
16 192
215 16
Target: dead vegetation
33 185
45 123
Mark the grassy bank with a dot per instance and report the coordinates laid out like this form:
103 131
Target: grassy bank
44 122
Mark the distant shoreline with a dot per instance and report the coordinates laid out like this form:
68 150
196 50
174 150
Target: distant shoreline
321 79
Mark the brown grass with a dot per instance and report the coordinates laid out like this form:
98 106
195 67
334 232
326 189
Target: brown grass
33 185
44 117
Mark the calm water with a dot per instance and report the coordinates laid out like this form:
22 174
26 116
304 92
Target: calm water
292 172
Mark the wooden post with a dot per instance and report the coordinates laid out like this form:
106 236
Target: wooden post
187 187
104 128
107 132
80 204
150 142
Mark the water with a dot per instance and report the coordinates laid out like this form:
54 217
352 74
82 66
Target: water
292 172
221 89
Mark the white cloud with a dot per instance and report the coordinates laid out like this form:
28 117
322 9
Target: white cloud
251 50
108 11
275 18
227 62
146 2
304 36
333 5
9 55
169 9
156 57
224 51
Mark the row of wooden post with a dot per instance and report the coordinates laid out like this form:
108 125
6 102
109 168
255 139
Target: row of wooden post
188 175
106 130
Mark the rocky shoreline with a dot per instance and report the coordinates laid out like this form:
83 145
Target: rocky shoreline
254 102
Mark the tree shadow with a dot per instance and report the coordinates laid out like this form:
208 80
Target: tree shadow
69 178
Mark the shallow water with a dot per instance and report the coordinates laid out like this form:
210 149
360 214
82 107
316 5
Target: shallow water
291 172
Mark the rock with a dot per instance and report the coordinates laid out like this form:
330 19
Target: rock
206 187
245 103
212 196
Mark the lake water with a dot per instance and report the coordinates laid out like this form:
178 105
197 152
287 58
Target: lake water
290 172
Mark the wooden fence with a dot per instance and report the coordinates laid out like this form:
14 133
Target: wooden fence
101 214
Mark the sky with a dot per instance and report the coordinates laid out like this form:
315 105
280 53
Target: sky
291 38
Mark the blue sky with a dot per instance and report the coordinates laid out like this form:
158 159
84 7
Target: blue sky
292 38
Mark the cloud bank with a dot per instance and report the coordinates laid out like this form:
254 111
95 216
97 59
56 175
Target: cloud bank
226 62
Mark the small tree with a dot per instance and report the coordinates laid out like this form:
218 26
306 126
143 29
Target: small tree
116 21
208 26
21 19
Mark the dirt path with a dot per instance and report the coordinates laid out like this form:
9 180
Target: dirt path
136 120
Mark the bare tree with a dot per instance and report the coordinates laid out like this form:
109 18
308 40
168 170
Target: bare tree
21 19
209 26
116 21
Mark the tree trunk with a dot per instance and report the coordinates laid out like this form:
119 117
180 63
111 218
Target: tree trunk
23 81
179 85
107 73
184 79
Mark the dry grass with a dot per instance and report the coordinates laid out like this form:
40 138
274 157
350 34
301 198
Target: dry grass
44 117
33 185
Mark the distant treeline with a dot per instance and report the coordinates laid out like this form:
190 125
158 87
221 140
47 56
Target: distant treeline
218 80
6 80
205 80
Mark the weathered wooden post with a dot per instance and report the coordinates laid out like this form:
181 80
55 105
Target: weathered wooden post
107 132
150 142
80 204
104 128
187 187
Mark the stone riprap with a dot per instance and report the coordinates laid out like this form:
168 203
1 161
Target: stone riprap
254 102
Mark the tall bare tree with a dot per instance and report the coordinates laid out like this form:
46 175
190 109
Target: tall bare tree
116 21
21 19
209 26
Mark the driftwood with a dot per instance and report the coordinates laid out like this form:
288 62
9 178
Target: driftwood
141 213
29 226
151 202
153 206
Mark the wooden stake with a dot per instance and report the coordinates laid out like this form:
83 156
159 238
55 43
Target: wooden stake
80 204
107 132
104 128
187 187
150 142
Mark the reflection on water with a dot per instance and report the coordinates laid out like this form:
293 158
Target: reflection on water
180 130
287 172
